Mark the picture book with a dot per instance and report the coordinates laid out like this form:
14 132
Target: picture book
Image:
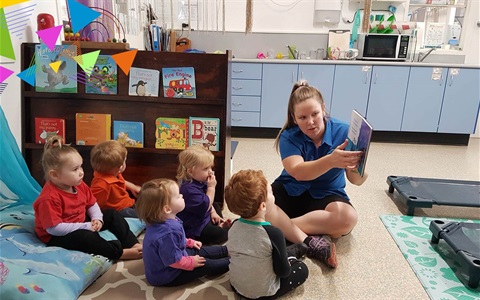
47 127
359 136
143 82
171 133
55 69
128 133
92 129
204 131
179 82
103 79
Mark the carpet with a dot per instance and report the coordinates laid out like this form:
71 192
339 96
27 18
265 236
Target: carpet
434 264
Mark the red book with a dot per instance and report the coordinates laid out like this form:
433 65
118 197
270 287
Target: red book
47 127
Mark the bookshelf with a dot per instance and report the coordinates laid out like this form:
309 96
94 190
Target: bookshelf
143 164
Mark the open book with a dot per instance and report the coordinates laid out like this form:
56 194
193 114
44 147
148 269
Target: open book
359 135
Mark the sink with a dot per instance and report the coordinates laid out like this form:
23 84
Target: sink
442 56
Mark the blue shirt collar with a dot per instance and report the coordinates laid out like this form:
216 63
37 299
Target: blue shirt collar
327 136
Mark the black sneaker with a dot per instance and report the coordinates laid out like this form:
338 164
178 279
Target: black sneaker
297 250
322 248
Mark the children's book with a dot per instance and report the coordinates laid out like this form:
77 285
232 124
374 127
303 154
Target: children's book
128 133
204 131
48 127
92 129
179 82
103 79
171 133
359 136
56 71
143 82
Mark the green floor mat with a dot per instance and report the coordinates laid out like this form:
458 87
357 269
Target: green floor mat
434 265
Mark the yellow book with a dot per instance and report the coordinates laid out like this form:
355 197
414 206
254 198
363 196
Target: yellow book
92 129
171 133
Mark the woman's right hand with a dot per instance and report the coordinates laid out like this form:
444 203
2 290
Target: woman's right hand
345 159
198 261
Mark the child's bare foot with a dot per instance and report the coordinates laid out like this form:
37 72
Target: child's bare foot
133 253
226 224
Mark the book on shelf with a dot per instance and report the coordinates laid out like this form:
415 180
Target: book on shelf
143 82
359 136
48 127
204 131
92 129
103 79
128 133
171 133
179 82
55 71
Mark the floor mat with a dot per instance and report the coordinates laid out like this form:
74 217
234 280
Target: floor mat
434 265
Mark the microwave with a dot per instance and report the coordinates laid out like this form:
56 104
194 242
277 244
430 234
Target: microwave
375 46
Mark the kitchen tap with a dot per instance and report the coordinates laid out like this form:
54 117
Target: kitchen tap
423 55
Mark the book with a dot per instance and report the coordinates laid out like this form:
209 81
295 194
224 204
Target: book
128 133
143 82
204 131
179 82
55 71
171 133
92 129
103 79
48 127
359 136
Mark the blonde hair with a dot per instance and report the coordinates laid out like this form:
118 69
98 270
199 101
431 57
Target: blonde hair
193 156
152 198
301 91
107 156
245 191
55 154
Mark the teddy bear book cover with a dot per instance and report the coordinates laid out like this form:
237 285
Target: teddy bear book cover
56 70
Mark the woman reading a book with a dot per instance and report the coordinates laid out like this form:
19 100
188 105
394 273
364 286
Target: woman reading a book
311 203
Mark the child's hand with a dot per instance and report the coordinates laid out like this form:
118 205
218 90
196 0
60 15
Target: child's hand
96 225
135 190
226 224
211 180
198 261
197 245
215 217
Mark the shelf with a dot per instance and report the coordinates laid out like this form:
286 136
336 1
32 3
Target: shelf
438 5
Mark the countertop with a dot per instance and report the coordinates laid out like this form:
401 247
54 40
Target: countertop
354 62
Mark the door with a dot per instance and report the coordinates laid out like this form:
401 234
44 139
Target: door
321 77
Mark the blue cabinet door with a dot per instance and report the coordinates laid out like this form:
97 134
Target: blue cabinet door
321 77
460 101
424 99
277 83
387 97
350 91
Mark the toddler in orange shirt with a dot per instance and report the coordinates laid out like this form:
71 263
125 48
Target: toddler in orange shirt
108 160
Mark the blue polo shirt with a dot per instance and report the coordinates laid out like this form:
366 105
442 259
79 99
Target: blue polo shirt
195 215
294 142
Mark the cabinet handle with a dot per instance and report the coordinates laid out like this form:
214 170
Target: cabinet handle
237 88
237 71
375 80
451 80
236 104
366 77
441 79
236 119
293 77
302 76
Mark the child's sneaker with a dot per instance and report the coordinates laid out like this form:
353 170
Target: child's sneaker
322 248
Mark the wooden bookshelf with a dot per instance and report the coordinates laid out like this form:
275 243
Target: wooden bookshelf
143 164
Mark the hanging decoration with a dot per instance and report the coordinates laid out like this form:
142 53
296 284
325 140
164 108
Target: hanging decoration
248 26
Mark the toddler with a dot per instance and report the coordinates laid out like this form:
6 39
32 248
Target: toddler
67 214
108 160
170 258
255 244
202 218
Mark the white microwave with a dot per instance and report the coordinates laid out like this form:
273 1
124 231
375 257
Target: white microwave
375 46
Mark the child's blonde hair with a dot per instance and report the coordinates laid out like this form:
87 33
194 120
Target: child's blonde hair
107 156
193 156
55 154
152 198
245 191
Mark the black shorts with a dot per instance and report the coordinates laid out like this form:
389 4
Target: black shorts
296 206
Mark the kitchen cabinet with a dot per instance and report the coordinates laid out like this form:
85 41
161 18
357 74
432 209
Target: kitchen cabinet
386 99
321 77
277 83
461 101
423 101
246 89
351 87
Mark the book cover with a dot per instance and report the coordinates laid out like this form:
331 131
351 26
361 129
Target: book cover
55 69
47 127
143 82
171 133
359 136
103 79
92 129
179 82
128 133
204 131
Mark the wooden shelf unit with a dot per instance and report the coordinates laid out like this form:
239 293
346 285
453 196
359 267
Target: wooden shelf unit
143 164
